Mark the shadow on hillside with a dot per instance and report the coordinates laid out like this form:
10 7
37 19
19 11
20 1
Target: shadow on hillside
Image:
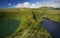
7 27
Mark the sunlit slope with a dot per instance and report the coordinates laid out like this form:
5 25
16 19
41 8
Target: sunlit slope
30 21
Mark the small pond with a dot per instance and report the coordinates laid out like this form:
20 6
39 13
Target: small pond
7 27
51 26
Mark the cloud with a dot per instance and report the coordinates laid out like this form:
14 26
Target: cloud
26 4
52 3
23 5
56 0
19 5
9 4
55 3
36 5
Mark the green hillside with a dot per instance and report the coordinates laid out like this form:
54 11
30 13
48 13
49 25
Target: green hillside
29 21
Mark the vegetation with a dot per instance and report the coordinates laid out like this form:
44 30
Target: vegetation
30 21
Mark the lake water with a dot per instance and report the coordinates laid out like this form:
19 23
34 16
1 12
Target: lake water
52 27
7 27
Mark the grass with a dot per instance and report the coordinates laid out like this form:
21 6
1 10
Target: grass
30 26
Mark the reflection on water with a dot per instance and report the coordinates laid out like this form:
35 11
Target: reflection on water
52 27
7 27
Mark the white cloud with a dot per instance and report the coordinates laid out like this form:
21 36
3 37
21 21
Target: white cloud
56 0
19 5
26 4
23 5
9 4
37 4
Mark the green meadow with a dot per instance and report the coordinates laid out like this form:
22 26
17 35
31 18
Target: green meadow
26 22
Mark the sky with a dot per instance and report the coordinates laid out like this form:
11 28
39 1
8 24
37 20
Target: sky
29 3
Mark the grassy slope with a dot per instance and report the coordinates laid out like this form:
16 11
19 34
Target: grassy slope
30 19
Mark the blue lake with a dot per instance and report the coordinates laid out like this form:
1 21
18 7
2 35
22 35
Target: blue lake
51 26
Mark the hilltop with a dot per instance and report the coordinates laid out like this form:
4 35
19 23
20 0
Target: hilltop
30 21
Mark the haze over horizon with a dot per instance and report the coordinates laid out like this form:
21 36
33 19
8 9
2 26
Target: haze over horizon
29 3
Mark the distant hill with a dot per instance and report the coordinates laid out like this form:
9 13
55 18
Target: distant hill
30 21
